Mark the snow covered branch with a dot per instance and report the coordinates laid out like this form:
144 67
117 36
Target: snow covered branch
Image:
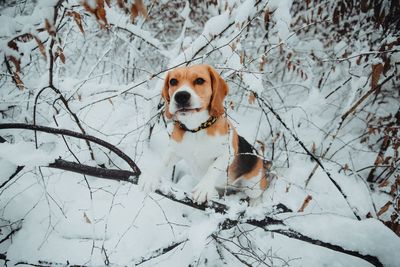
66 132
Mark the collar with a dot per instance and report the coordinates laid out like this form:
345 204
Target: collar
211 120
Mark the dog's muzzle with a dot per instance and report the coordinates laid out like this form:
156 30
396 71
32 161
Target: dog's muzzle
182 99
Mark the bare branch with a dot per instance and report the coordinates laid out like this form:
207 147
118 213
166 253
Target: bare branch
66 132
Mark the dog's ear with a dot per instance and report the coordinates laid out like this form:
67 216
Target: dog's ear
219 91
165 95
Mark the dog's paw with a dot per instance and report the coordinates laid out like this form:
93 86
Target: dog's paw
203 192
149 183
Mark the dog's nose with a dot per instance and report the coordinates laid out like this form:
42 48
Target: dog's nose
182 98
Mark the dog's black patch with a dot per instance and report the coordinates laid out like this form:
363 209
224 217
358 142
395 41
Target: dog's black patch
246 158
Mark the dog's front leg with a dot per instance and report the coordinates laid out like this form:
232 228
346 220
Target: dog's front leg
205 189
150 180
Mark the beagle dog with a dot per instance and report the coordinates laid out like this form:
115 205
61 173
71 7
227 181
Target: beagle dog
205 138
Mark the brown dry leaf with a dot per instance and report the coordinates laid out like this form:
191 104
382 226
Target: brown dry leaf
60 53
88 8
396 228
40 46
346 167
319 12
313 148
241 58
134 13
266 16
87 220
18 81
232 105
26 37
16 63
376 74
289 64
262 146
387 160
252 98
49 27
394 187
336 16
276 137
109 99
378 160
384 183
121 4
141 8
280 46
100 3
358 61
364 5
262 63
384 208
78 20
13 45
305 203
371 130
101 14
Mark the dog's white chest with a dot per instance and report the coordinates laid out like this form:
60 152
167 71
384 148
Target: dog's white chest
200 150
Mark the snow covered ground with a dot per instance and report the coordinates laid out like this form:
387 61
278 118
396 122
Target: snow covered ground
112 81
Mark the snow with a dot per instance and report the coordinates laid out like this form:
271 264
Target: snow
282 16
350 234
113 79
254 82
119 20
186 10
244 11
25 154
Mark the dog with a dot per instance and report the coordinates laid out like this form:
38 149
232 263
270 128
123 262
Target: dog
205 138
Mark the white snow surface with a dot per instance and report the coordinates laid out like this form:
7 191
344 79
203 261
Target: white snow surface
113 80
349 234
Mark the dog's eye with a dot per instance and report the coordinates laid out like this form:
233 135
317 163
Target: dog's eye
173 82
199 81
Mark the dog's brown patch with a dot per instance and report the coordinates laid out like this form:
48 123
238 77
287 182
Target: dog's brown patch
221 127
177 133
264 181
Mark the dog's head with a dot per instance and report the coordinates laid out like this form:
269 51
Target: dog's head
194 89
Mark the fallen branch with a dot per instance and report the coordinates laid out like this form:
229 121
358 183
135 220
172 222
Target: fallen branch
10 234
159 252
17 170
66 132
113 174
42 263
296 235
